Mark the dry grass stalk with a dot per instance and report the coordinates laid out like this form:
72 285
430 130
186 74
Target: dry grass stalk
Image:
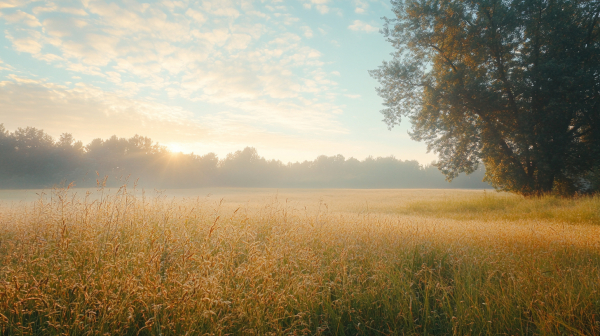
130 265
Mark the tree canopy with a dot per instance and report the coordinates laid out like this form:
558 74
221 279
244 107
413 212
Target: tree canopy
513 84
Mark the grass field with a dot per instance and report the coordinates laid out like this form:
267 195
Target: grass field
295 262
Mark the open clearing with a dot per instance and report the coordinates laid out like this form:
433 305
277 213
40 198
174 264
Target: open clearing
292 261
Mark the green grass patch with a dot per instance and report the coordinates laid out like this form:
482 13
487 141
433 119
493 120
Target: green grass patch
492 206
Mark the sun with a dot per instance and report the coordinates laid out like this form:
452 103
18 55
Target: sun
175 148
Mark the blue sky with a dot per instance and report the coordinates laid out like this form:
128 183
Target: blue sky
286 77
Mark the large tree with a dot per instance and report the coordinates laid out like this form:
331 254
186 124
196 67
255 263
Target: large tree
510 83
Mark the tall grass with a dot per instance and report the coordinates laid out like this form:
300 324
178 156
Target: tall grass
126 264
494 206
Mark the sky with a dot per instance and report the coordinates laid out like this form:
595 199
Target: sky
289 78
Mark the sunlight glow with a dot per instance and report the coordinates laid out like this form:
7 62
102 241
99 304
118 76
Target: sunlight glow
196 72
175 148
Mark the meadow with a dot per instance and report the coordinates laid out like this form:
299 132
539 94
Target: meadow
299 262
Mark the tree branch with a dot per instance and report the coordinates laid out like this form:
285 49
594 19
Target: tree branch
445 57
498 58
591 30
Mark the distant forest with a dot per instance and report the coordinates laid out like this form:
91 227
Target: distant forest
30 158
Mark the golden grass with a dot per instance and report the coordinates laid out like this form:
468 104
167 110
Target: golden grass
493 206
324 262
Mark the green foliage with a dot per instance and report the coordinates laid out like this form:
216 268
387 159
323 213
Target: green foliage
513 84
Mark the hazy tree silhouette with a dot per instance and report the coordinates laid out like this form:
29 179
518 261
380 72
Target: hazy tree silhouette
32 159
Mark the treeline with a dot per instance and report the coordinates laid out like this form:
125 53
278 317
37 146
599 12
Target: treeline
30 158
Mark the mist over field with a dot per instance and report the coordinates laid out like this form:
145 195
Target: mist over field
33 159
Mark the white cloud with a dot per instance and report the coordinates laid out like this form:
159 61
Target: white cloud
22 17
13 3
361 6
196 15
307 32
216 37
256 73
221 8
50 7
359 25
4 66
320 5
323 9
27 41
239 41
89 111
74 11
87 70
114 77
49 58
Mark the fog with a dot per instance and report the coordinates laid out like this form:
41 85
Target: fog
32 159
